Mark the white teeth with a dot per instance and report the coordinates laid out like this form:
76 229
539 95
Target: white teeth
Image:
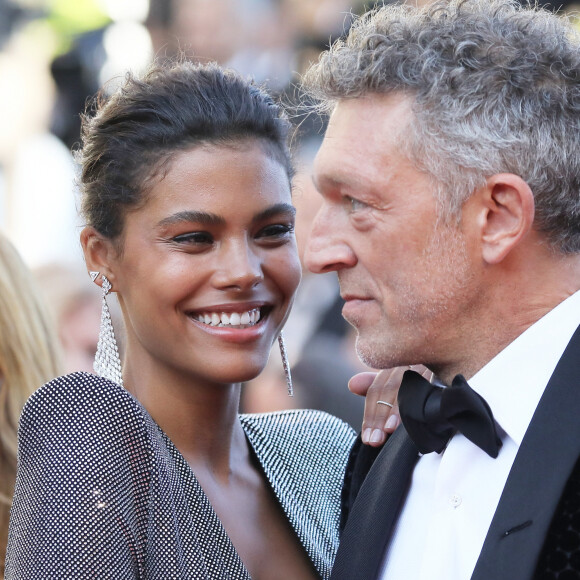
247 318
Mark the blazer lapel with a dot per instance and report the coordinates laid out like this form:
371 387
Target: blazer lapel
375 510
537 479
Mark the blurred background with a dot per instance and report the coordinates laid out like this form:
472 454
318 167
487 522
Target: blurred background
55 54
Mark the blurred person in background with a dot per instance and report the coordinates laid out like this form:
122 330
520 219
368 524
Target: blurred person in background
28 357
36 169
76 307
255 37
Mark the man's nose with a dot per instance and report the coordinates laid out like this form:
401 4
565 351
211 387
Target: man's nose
327 249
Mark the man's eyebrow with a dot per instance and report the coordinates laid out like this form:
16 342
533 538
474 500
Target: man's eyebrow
335 182
200 217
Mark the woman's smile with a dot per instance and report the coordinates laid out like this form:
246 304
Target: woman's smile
231 315
233 322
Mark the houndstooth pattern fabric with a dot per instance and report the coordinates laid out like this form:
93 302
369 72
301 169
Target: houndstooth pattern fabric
101 492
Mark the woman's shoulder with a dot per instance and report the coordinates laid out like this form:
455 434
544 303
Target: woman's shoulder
83 402
79 388
303 454
300 427
80 429
86 475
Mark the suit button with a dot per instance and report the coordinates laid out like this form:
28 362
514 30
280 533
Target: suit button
455 500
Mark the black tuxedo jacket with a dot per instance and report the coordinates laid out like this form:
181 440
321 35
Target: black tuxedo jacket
535 532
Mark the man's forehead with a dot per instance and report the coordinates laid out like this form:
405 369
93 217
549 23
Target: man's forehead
369 123
363 134
375 109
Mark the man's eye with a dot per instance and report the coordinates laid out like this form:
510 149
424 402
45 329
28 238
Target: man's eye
194 238
355 204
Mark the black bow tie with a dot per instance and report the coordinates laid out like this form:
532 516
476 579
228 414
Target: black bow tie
431 415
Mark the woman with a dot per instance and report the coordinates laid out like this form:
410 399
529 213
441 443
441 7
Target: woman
28 357
186 185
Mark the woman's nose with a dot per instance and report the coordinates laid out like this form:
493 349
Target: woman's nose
240 267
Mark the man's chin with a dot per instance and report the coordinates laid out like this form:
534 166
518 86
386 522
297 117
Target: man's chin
369 354
381 352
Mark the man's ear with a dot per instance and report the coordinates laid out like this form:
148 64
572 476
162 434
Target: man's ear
100 254
507 215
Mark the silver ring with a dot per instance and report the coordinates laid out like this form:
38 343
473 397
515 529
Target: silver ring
385 403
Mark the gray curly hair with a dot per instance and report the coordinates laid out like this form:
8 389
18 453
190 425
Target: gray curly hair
496 89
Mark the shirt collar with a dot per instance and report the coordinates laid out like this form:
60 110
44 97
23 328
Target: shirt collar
514 380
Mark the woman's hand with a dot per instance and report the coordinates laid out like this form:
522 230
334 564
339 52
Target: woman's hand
381 414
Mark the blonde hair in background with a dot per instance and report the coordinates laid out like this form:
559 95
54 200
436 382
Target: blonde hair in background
29 356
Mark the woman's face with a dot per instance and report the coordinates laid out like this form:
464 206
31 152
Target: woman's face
209 265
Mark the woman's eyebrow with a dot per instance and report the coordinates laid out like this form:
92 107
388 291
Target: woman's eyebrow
274 210
212 219
191 216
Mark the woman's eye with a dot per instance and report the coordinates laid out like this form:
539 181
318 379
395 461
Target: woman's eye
276 231
194 238
355 204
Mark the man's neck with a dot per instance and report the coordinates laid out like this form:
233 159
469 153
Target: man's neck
513 308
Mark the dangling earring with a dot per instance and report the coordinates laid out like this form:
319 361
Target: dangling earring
107 362
285 364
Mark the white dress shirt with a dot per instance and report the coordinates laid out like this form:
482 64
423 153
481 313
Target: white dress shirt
454 495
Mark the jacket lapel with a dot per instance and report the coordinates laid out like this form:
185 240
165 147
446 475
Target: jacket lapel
537 479
375 510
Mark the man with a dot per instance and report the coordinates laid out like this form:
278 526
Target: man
450 174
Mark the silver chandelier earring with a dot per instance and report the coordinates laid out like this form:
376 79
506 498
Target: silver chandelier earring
285 364
107 362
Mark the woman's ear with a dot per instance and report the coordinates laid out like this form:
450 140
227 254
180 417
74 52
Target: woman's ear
509 215
100 254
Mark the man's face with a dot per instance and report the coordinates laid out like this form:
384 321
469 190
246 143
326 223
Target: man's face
409 281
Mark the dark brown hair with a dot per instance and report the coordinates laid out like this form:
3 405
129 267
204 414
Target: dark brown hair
131 134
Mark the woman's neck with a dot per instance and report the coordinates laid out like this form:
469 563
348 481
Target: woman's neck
201 419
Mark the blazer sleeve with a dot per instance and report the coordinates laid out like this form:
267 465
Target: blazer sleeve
79 508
